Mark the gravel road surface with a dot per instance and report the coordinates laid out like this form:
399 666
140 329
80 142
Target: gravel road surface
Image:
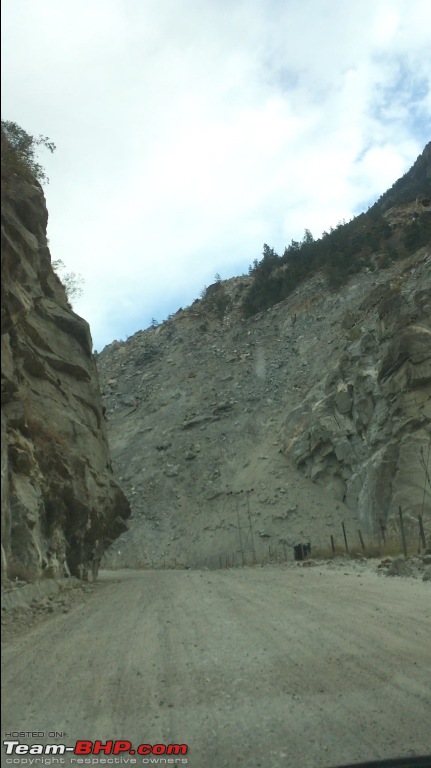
273 667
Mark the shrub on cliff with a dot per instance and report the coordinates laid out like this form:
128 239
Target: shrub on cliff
73 281
19 152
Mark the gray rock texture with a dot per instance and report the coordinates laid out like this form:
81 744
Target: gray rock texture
58 492
364 429
314 412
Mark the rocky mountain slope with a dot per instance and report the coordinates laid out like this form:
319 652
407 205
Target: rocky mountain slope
59 496
414 185
233 436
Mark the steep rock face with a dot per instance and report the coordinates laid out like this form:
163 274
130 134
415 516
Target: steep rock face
363 430
282 425
58 493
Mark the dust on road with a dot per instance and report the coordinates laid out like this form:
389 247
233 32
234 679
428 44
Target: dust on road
275 667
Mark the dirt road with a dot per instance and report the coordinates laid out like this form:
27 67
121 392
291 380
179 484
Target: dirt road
274 667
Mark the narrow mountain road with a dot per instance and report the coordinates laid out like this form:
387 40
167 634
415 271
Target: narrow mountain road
277 667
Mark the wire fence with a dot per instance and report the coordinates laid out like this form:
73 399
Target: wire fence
403 535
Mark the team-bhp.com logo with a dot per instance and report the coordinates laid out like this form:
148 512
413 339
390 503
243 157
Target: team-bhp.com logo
83 747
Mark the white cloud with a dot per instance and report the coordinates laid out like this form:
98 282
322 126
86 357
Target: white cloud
186 140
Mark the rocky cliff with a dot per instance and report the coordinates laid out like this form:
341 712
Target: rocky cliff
235 434
363 428
59 497
415 184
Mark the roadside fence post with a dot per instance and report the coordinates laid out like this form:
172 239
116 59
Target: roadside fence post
345 537
421 532
403 535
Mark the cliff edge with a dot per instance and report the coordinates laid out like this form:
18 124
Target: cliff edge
60 502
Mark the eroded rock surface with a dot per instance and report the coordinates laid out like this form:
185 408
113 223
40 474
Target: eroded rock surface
363 430
59 496
283 425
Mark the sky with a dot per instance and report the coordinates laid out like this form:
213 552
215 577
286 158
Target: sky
188 134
